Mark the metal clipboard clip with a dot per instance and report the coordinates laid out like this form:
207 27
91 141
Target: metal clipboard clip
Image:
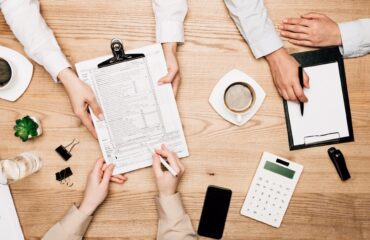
119 54
333 137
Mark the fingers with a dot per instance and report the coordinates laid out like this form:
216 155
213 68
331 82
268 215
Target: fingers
294 28
312 15
96 108
298 91
169 77
118 179
157 166
297 21
176 83
98 165
291 94
305 43
306 80
293 35
107 174
86 120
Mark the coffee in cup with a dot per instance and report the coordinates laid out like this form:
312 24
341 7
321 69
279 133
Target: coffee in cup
239 97
5 73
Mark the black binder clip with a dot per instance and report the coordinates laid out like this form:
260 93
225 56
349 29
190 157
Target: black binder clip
339 162
63 152
119 54
63 176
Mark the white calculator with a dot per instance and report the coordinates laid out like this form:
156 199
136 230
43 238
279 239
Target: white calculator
271 189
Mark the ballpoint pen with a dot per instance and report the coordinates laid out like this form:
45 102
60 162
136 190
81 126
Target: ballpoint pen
300 76
164 162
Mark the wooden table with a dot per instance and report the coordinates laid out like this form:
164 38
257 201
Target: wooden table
322 206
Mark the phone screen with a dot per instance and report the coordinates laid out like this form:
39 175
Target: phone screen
214 213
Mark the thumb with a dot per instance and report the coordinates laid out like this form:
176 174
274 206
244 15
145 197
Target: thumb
306 80
312 15
168 78
96 108
107 174
157 166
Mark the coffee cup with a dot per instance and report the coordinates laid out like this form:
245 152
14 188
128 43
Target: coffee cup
239 97
7 71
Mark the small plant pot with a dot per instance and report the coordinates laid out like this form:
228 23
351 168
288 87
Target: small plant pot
27 127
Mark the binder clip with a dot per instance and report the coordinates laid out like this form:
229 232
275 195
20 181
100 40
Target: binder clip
339 162
119 54
63 152
63 176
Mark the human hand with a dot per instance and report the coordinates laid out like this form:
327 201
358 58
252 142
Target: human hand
166 183
96 189
173 75
81 97
284 71
311 30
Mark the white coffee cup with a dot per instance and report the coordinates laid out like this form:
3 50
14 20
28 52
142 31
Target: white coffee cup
239 97
10 81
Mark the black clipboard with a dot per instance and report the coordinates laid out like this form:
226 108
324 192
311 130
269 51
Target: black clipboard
314 58
119 55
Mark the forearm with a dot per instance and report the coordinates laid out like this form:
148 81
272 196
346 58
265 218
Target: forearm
170 16
27 24
252 19
173 223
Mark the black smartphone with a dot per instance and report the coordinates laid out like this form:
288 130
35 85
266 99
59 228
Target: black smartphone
214 213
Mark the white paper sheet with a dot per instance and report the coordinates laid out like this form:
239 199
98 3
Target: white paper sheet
136 109
10 227
324 115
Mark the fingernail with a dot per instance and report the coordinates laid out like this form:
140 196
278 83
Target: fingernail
101 117
285 20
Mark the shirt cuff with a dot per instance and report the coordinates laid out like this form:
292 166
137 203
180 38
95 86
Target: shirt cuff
54 62
75 222
349 34
170 207
170 31
266 45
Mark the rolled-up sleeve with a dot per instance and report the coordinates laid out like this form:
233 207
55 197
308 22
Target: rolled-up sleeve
355 38
72 226
174 223
27 24
252 19
170 16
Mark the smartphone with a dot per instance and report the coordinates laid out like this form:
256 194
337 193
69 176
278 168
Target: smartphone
214 213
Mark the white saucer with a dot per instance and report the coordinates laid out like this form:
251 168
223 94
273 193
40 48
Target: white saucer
22 70
217 97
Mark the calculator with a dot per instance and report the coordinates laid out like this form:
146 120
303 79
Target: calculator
271 189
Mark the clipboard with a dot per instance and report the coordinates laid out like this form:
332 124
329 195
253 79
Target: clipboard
327 57
119 55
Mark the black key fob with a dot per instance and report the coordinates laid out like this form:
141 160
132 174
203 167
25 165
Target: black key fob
339 162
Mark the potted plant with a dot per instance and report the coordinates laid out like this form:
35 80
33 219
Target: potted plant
27 127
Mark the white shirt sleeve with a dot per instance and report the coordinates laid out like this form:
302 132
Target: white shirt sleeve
355 37
169 16
27 24
252 19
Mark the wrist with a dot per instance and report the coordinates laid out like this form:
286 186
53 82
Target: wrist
338 36
274 56
66 76
87 208
170 47
167 193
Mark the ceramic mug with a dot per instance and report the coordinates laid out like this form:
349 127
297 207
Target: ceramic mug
239 97
7 71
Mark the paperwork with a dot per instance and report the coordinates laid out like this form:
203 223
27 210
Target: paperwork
324 116
136 110
9 222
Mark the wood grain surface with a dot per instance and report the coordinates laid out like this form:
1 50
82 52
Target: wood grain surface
322 206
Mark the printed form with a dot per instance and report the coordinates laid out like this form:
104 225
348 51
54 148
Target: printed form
136 109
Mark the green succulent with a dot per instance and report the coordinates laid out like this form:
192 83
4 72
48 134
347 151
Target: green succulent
25 127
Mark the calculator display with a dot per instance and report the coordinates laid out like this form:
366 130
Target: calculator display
273 167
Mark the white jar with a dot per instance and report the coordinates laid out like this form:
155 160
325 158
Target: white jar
21 166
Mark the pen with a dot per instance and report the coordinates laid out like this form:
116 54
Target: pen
300 76
164 162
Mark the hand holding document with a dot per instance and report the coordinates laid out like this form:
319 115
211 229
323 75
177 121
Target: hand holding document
136 109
